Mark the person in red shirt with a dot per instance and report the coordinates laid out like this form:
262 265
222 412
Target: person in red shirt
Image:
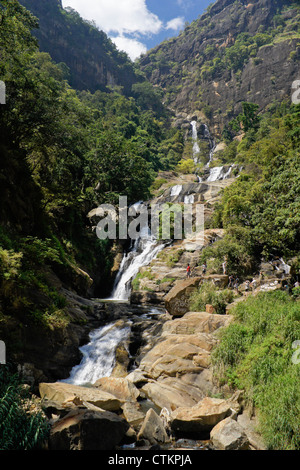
188 271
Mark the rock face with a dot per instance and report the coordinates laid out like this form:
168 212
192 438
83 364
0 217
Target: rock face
184 63
93 64
176 369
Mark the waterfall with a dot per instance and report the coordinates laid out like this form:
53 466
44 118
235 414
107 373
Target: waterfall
196 149
99 354
189 199
176 190
215 174
218 173
143 252
286 267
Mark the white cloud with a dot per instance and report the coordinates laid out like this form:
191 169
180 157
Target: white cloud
118 16
133 47
175 23
126 22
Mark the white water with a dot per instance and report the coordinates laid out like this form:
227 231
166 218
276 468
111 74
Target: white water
176 190
286 267
99 354
189 199
143 252
196 149
218 173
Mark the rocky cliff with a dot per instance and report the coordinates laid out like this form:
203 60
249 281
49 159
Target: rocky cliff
237 51
92 59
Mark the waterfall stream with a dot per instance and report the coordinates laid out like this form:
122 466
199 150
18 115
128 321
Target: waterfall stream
196 149
143 252
98 356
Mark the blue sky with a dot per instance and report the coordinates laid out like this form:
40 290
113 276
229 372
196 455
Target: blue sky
138 25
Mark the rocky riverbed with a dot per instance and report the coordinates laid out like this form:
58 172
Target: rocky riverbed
167 399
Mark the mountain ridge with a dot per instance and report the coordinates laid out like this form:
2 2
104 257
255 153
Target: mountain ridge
235 52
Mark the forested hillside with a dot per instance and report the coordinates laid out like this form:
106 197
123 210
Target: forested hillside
83 125
237 51
63 152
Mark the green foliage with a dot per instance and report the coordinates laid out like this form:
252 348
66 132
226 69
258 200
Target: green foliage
10 263
19 428
209 294
237 247
248 119
255 354
186 166
265 198
158 183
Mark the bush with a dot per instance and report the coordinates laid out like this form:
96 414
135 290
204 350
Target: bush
208 294
236 248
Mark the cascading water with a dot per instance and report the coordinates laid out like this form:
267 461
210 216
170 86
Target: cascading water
218 173
189 199
143 252
196 149
99 354
176 190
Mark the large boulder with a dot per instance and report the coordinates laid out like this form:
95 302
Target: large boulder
177 368
153 429
178 298
83 429
65 394
201 418
119 387
198 322
228 434
176 355
172 392
133 413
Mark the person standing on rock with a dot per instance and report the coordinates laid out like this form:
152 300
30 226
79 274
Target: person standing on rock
188 271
